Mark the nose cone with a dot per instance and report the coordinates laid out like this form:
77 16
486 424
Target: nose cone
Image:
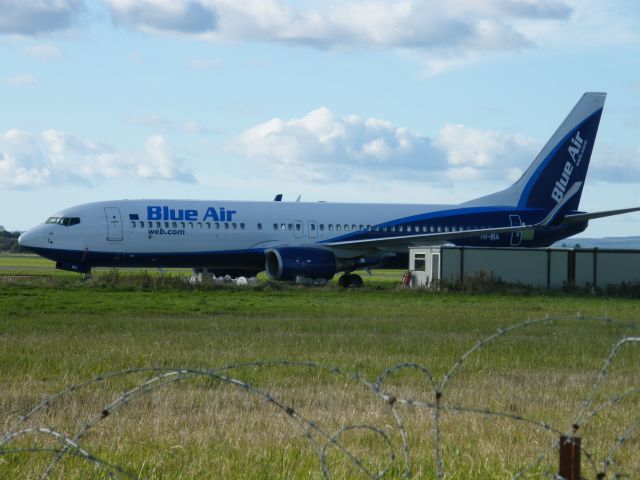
28 239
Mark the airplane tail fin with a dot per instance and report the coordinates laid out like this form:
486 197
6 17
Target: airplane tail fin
561 164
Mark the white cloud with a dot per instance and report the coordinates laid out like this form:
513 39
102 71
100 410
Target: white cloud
325 147
178 16
398 24
473 153
44 51
445 32
192 126
21 79
38 16
55 157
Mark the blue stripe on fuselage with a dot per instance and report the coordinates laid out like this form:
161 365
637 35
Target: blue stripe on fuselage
468 217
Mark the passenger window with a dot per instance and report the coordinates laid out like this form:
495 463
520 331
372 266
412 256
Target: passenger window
242 226
393 228
408 228
190 224
353 227
226 225
290 226
158 224
208 226
166 224
439 228
275 226
234 225
141 224
400 228
259 226
361 227
174 224
298 226
150 224
182 224
330 226
200 225
283 226
312 227
133 224
321 226
346 227
338 227
217 226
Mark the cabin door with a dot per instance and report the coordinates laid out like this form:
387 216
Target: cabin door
114 223
516 237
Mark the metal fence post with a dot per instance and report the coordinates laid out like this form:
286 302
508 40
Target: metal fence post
569 458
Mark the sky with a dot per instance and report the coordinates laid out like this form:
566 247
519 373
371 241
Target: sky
400 101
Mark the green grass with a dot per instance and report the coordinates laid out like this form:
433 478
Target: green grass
60 331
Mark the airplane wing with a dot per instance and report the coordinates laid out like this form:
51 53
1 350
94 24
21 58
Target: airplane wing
421 239
556 215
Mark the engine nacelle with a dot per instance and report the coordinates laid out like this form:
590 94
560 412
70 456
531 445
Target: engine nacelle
287 263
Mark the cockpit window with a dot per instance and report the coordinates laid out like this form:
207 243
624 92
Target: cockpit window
65 221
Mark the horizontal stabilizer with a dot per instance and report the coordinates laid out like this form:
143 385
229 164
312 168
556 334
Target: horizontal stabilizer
581 217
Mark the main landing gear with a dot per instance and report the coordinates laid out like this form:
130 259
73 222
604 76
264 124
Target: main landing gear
350 280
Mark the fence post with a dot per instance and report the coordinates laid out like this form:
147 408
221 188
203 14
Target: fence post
569 458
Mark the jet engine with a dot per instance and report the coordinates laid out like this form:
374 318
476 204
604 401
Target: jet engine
288 263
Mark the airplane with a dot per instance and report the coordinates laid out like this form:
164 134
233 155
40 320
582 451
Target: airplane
313 241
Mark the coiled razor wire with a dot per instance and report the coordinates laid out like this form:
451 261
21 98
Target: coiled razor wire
321 439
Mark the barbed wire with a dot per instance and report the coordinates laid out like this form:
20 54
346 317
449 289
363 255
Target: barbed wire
320 438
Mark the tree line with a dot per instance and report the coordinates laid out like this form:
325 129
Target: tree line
9 242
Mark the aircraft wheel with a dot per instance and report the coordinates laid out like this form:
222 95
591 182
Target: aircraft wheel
350 280
355 281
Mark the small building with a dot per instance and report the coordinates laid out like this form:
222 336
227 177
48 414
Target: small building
537 267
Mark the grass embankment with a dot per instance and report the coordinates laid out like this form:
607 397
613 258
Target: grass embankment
61 331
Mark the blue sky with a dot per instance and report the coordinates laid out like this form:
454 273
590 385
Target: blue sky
416 101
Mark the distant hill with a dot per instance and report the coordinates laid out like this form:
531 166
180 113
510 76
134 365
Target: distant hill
606 242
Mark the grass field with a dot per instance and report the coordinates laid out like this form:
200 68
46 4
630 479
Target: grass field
56 330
